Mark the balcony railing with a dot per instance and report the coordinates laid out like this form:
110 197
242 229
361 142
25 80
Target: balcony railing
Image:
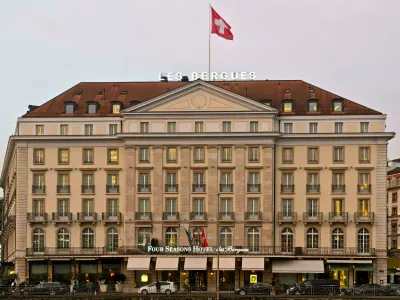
112 189
86 217
61 217
288 217
360 217
227 216
252 216
87 189
198 216
338 188
143 216
312 188
111 217
171 188
63 189
338 217
38 189
253 188
37 217
198 188
309 217
287 188
144 188
226 188
364 188
171 216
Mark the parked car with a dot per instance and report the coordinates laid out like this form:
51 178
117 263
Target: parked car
393 289
166 287
45 288
316 287
367 290
260 289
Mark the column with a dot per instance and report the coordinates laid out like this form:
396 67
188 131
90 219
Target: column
130 190
240 185
157 195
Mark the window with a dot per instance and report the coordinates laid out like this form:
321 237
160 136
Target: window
112 156
171 180
198 154
226 154
87 156
393 244
116 108
69 108
254 154
63 238
363 183
171 237
287 106
287 155
63 156
171 154
266 102
312 238
312 208
92 108
313 155
38 240
38 208
144 181
338 155
287 205
253 126
38 156
394 227
253 206
171 126
170 206
112 239
144 155
253 239
225 237
64 129
226 206
338 127
198 127
338 181
363 241
337 105
254 178
144 127
226 126
337 239
226 179
363 207
287 179
394 211
87 182
88 129
144 236
364 127
88 238
63 208
63 183
313 106
198 179
288 128
287 240
112 180
196 236
312 183
39 129
144 205
198 206
87 207
112 129
394 197
364 154
313 127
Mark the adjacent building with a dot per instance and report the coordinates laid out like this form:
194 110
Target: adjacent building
287 178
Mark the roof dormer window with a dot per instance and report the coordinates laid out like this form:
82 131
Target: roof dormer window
92 108
313 106
116 108
266 102
287 106
134 102
337 105
69 108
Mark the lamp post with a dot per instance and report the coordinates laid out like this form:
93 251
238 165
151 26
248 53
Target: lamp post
218 248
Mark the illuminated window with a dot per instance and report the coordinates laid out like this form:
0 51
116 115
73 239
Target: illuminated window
171 237
312 106
39 129
64 129
364 183
337 239
363 207
63 156
287 240
38 156
112 156
287 106
116 108
171 154
337 105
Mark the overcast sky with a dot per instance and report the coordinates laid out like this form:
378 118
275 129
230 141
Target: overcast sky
348 47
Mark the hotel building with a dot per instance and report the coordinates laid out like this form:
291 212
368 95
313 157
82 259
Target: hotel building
393 187
105 176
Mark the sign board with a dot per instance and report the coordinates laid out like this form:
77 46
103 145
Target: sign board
196 249
205 76
253 278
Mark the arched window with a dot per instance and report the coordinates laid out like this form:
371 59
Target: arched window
287 240
225 237
112 239
38 240
171 237
63 238
337 239
88 238
253 239
312 238
144 236
363 240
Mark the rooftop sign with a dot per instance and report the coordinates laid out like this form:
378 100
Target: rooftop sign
213 76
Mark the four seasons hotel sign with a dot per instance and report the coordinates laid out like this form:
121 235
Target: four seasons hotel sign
205 76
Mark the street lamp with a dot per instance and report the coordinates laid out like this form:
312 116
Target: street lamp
218 248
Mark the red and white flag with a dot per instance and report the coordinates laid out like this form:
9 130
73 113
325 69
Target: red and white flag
203 240
219 26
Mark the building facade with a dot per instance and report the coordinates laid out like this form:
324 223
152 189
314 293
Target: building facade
393 188
286 178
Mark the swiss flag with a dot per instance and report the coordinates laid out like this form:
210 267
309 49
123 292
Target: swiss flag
219 26
203 240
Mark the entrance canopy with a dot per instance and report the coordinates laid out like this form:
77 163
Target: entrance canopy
298 266
167 263
225 263
253 263
138 263
195 263
347 261
363 267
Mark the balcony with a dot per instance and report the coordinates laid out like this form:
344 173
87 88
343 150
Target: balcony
364 188
86 217
287 188
198 216
63 189
252 216
198 188
8 226
111 217
338 188
112 189
38 189
226 188
61 217
87 189
144 188
341 217
394 182
227 216
312 188
37 217
170 216
143 216
312 217
253 188
171 188
287 217
360 217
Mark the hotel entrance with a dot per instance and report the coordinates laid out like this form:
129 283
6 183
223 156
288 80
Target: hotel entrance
198 280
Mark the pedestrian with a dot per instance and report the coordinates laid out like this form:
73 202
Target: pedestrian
75 287
187 285
158 286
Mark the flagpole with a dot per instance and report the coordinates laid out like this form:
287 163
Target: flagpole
209 42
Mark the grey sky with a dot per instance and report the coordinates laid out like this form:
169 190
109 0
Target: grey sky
347 47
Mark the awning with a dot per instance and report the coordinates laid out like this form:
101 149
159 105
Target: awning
363 267
138 263
225 263
167 263
346 261
335 267
253 263
298 266
195 263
